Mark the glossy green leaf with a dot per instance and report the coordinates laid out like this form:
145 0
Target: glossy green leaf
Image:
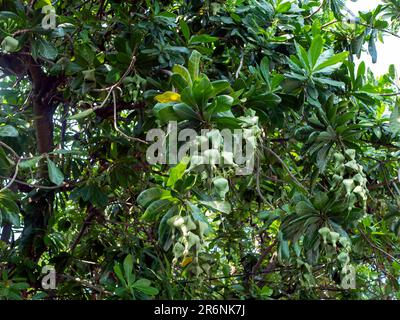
8 131
55 174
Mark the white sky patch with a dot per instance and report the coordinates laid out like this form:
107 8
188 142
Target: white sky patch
388 52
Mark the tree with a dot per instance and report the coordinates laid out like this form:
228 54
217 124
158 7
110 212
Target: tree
317 216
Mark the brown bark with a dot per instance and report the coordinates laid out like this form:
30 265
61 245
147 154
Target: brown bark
44 92
40 209
43 127
44 97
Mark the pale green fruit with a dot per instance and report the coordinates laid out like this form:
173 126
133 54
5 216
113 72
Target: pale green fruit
190 224
334 238
324 232
343 258
351 153
178 250
88 75
10 44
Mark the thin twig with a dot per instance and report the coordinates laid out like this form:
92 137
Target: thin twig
8 185
13 177
389 94
37 186
240 66
85 284
258 182
117 84
387 254
92 214
22 31
382 30
116 123
329 23
316 11
262 257
364 25
9 149
297 182
381 144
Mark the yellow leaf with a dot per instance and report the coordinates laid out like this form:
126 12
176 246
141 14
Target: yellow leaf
168 96
186 261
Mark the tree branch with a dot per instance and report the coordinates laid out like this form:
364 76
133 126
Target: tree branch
262 257
316 11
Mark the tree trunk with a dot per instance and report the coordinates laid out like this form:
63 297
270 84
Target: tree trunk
40 207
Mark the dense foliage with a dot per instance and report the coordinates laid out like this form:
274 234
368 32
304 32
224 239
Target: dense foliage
77 192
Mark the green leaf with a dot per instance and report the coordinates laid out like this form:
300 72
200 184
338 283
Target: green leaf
183 72
315 50
392 72
43 48
118 272
194 65
177 172
97 196
7 202
226 122
82 115
202 91
336 7
185 29
179 82
283 7
372 47
8 131
330 64
41 3
55 175
155 209
264 69
185 112
143 285
11 218
30 163
85 52
283 250
204 38
266 291
395 120
357 44
303 56
303 208
322 157
329 82
220 86
188 98
221 206
164 229
221 104
264 101
5 163
165 112
128 267
148 196
320 200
